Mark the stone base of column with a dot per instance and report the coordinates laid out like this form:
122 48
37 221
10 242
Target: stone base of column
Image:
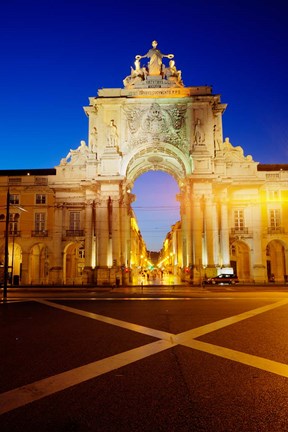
88 276
56 275
106 276
24 277
188 275
259 273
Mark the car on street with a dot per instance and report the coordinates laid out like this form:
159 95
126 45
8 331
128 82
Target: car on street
222 279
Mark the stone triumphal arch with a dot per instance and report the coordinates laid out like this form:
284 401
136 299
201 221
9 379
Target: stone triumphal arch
81 228
154 122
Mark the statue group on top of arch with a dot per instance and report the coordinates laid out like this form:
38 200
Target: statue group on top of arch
155 68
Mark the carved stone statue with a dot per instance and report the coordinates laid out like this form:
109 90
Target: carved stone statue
155 56
93 139
112 137
137 75
172 74
199 136
234 154
155 71
78 155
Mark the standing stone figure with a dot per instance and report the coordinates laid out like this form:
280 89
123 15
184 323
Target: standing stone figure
199 136
112 135
93 139
155 56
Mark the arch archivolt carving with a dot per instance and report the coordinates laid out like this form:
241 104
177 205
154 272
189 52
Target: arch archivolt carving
165 157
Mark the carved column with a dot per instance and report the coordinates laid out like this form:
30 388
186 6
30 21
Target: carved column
127 229
215 228
204 216
197 231
224 235
88 234
88 241
116 231
110 228
25 268
121 238
211 233
185 201
56 271
102 231
94 255
258 258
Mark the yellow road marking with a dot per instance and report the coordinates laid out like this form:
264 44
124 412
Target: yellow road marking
29 393
208 328
240 357
123 324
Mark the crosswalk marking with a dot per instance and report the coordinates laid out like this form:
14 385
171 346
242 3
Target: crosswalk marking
30 393
208 328
21 396
124 324
240 357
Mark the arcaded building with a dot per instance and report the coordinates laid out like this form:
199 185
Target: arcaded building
79 226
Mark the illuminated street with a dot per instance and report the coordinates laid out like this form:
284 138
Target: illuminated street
151 359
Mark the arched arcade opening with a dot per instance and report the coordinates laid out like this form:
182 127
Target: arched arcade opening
240 260
73 263
276 261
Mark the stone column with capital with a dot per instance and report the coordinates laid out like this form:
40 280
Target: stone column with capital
116 237
102 231
188 232
211 233
122 238
258 257
224 235
25 268
197 232
88 241
127 214
56 271
185 210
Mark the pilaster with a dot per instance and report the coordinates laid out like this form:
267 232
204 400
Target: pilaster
224 235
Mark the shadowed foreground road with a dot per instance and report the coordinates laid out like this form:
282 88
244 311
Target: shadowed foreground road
214 361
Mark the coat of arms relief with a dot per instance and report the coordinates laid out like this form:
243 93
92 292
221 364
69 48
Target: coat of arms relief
156 124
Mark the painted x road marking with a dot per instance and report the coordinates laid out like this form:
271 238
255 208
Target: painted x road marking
21 396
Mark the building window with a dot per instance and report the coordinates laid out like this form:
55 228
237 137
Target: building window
41 181
273 195
40 199
40 222
274 218
15 180
239 220
13 223
14 199
81 252
74 223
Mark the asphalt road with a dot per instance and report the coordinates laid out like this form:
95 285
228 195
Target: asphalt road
149 361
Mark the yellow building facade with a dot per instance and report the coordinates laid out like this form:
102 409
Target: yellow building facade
241 227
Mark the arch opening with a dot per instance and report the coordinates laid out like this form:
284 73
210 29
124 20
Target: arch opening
276 261
240 260
73 263
155 206
157 211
